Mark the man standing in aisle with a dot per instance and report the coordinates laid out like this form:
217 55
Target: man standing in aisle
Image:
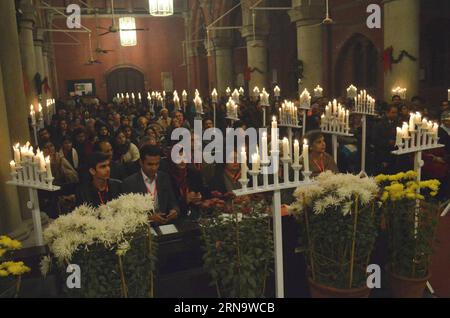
150 180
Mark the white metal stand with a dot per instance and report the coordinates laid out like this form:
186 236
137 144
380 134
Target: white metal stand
28 176
418 141
334 141
363 172
276 188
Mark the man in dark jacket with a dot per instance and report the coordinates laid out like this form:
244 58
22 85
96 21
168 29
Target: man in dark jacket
100 189
155 182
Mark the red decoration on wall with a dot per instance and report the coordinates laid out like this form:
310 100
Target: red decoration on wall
389 59
45 85
248 73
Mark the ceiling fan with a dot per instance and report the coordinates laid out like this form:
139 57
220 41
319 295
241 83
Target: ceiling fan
91 60
99 49
113 28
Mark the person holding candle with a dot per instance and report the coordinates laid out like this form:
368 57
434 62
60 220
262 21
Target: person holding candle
319 160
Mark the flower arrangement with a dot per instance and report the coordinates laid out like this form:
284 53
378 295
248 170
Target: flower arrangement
339 222
109 243
10 268
411 215
238 246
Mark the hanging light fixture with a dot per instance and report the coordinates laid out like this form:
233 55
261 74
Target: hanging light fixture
128 31
160 8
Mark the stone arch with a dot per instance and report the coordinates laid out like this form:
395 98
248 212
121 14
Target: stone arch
357 63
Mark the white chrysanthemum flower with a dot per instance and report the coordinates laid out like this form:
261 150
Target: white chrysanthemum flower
45 265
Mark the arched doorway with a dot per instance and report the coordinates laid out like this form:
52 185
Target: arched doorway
357 63
123 80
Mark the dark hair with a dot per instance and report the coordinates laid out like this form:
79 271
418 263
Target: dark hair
78 131
66 138
417 98
95 158
313 135
43 129
149 151
97 146
396 96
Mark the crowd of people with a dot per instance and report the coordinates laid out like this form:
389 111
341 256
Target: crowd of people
101 150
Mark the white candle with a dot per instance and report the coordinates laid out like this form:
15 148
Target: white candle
274 135
256 91
12 164
241 91
435 130
228 91
347 120
256 160
32 115
184 96
48 168
277 91
305 100
412 122
264 147
236 96
296 152
286 150
16 149
306 155
214 96
244 167
198 104
418 118
399 140
140 97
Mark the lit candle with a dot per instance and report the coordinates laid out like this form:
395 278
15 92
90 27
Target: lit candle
274 135
399 139
198 104
296 152
352 91
306 155
241 91
264 147
412 122
256 160
277 91
347 120
48 167
12 164
16 149
140 97
305 100
228 91
264 98
286 151
33 115
176 100
184 95
256 91
318 91
405 130
235 96
435 130
214 96
244 167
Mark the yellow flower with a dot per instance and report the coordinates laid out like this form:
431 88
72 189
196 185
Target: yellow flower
3 273
433 193
18 269
411 196
380 178
9 243
15 245
385 196
420 197
2 251
411 175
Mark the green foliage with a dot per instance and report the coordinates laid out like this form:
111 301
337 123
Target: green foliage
410 239
239 250
337 255
100 270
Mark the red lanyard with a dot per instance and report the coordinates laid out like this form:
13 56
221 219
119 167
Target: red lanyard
101 197
155 190
320 167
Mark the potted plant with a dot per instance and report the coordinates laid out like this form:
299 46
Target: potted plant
112 245
339 222
10 272
411 216
238 246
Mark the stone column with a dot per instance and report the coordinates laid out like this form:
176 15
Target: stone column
16 108
10 212
27 23
402 32
307 15
256 36
38 47
221 51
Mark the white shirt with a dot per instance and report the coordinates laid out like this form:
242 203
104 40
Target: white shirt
151 187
